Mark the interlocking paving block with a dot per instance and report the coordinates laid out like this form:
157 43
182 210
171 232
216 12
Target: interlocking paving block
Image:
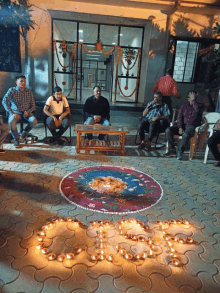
51 285
133 290
79 280
40 221
7 273
54 269
131 278
24 216
210 229
200 216
199 236
24 283
106 285
179 209
5 223
210 253
209 208
180 278
3 242
151 266
217 244
208 284
191 203
217 223
187 289
217 277
196 264
158 284
33 258
105 267
13 248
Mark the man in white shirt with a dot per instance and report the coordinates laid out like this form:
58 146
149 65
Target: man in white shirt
57 109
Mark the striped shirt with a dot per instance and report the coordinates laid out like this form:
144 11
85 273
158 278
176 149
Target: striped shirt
15 101
157 111
167 86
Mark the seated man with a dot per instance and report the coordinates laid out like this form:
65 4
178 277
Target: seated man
57 108
187 120
19 103
4 130
96 110
155 119
213 142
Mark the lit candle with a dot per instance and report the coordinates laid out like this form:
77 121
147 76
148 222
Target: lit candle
165 237
61 219
150 253
122 251
40 239
152 246
100 245
175 261
77 249
169 243
128 256
102 251
94 257
141 238
181 240
119 227
189 240
185 222
100 222
173 255
166 223
173 238
44 250
102 257
110 257
119 222
76 221
61 257
101 227
172 221
178 221
42 233
69 219
107 222
51 256
133 237
171 249
69 255
92 223
49 224
39 246
55 220
148 241
143 255
159 222
145 228
131 220
137 256
118 246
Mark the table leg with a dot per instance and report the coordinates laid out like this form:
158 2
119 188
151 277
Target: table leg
78 141
122 143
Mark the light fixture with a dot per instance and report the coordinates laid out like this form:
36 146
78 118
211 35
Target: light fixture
80 31
114 43
81 40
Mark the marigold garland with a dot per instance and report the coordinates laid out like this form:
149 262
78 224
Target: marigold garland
73 54
122 62
90 52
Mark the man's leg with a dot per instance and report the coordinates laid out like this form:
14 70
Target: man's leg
144 126
51 126
65 124
170 132
104 122
12 121
188 133
167 100
89 121
32 121
213 141
4 129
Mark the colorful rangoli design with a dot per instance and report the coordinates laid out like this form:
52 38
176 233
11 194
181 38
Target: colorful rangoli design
110 189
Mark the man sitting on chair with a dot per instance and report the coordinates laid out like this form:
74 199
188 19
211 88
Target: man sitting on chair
187 120
19 104
213 142
96 110
57 108
155 119
4 130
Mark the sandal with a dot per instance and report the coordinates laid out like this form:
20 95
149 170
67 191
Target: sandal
141 146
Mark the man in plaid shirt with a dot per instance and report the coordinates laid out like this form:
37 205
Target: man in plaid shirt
19 103
155 119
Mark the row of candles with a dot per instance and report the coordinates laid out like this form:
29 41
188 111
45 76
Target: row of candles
122 225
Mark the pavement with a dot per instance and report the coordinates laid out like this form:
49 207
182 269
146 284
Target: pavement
30 198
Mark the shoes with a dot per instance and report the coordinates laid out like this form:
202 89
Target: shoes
147 147
217 163
179 156
24 135
170 153
16 144
2 151
141 146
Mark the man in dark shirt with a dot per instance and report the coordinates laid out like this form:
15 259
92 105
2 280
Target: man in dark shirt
187 120
96 110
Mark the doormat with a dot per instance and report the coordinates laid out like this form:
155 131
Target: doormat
110 189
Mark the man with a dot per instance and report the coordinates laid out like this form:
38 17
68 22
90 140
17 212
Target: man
168 87
19 104
187 120
213 142
57 109
96 110
155 119
4 130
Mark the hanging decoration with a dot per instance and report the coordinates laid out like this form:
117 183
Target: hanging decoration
98 47
73 54
65 48
64 83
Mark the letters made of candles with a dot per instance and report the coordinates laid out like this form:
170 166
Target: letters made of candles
129 239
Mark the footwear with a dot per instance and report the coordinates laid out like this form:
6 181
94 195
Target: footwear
24 135
170 153
141 146
2 151
16 144
217 163
179 156
147 146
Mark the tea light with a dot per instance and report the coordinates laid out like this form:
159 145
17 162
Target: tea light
178 221
39 246
185 222
137 256
69 219
44 227
189 240
101 227
40 239
92 223
102 257
133 237
110 257
141 238
100 245
124 221
128 256
119 222
118 246
77 249
76 221
119 227
172 221
100 239
94 257
51 256
169 243
61 219
165 237
130 220
102 251
55 220
152 246
166 223
159 222
126 236
69 255
49 224
100 222
171 249
150 253
173 255
44 250
122 251
173 238
145 228
107 222
143 255
148 241
42 233
181 240
61 257
175 261
121 232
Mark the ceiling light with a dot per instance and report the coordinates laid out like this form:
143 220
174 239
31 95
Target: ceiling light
80 31
81 40
121 35
113 43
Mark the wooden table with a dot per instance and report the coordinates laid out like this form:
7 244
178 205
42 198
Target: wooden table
100 145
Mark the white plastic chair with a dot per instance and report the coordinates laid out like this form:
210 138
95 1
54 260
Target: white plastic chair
211 119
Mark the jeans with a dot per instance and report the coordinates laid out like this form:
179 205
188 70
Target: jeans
4 130
12 121
91 121
212 143
152 128
167 100
174 130
52 127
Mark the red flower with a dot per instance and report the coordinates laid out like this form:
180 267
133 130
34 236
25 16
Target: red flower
126 87
63 83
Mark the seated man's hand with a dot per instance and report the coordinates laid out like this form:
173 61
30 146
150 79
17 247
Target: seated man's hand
57 124
60 120
97 118
154 119
17 116
181 131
